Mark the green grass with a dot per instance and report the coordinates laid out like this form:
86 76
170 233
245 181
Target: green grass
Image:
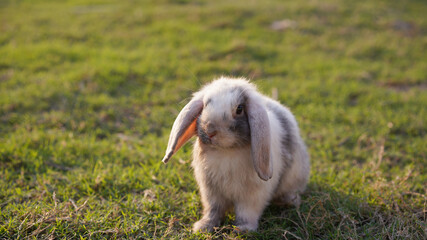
89 92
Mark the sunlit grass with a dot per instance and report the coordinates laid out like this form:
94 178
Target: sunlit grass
89 91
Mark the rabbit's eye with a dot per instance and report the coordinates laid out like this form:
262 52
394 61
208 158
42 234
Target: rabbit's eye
239 109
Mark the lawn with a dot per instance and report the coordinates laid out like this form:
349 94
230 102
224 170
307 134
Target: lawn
89 91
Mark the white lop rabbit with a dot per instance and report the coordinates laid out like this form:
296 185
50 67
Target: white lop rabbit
248 152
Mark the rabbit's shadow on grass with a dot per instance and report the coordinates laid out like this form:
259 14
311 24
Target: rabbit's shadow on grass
324 212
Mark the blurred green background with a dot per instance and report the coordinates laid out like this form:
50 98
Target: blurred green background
89 91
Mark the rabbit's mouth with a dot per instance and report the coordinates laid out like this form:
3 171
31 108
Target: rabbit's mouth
202 133
220 140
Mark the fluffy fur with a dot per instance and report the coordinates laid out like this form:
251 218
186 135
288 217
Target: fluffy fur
243 159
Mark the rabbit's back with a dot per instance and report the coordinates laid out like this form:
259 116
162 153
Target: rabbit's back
295 157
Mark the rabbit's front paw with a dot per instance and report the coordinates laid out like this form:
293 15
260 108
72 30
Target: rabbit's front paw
204 225
243 228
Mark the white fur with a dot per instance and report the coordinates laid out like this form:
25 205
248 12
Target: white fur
226 175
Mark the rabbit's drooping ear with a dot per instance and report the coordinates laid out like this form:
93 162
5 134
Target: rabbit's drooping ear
183 128
260 139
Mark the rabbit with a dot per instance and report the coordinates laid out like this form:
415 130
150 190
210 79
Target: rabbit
248 152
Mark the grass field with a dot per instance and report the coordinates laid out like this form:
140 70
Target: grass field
89 92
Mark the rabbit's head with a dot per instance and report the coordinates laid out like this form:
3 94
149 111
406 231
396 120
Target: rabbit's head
223 122
227 113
